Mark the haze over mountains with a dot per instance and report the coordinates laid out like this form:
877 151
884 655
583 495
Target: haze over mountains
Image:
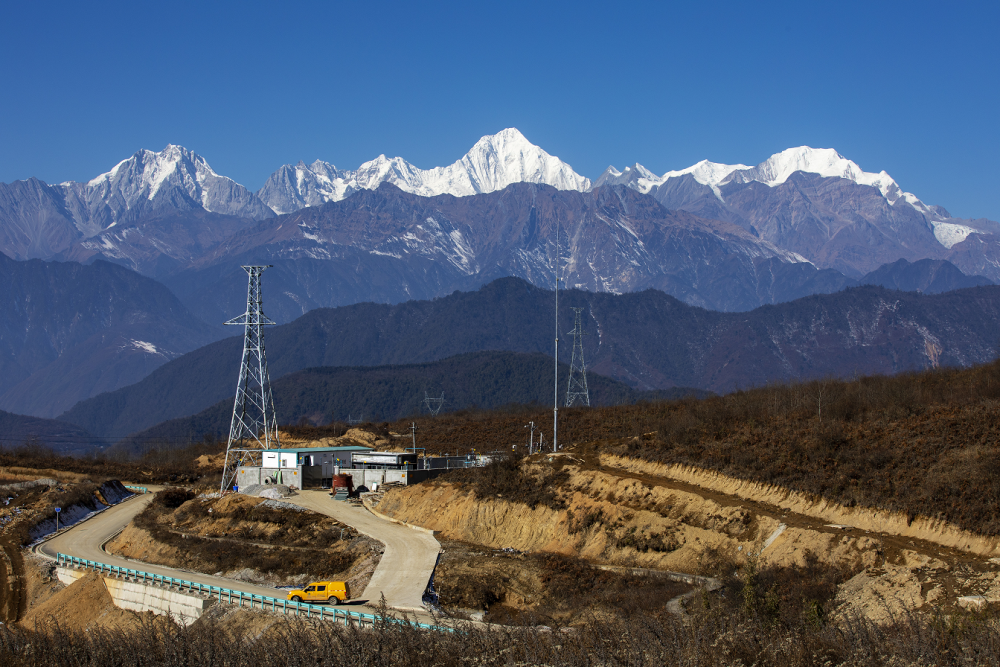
726 238
647 340
69 331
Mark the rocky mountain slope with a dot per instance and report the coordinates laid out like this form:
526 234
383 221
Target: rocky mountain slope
169 215
824 207
404 246
648 340
69 332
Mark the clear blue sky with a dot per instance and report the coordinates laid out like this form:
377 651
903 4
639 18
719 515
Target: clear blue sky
912 88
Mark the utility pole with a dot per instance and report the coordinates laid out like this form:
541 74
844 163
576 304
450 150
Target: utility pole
531 437
413 432
576 389
555 409
254 427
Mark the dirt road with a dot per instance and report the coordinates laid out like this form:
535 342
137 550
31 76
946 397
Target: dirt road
410 555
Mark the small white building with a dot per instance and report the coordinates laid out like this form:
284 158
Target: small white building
299 466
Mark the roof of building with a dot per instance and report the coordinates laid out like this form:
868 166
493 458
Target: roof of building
317 450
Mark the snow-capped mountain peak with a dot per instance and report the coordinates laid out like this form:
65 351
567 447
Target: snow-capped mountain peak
772 172
147 171
824 162
179 177
639 178
493 163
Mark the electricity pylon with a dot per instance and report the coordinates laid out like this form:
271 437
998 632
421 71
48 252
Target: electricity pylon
433 404
254 427
576 389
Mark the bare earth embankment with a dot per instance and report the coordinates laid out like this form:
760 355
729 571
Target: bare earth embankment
629 513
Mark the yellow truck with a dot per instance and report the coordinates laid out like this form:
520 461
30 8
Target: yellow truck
333 592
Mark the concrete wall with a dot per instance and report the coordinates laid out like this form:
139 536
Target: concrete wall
185 608
68 575
369 477
307 477
245 476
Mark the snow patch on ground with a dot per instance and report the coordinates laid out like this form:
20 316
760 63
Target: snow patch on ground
145 347
948 234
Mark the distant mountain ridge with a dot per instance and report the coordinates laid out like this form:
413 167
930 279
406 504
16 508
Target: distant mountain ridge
20 430
803 221
648 340
68 332
819 204
395 246
484 380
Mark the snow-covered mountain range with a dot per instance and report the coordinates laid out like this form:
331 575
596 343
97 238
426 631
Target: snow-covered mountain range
149 183
495 162
164 212
777 169
724 237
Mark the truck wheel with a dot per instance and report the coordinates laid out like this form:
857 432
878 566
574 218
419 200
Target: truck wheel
334 600
296 598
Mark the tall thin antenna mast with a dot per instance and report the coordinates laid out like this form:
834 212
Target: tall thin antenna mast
254 427
555 409
576 389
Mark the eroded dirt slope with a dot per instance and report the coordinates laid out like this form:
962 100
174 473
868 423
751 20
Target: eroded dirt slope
622 515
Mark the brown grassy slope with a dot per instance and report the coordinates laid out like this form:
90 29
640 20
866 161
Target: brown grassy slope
922 443
742 629
156 465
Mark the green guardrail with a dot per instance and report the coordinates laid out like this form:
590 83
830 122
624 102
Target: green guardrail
231 596
137 489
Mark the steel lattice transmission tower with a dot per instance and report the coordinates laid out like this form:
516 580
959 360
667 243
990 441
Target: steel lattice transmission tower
576 389
433 404
254 427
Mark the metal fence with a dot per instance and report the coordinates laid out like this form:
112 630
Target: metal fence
230 596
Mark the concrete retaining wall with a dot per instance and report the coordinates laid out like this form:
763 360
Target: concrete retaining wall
185 608
68 575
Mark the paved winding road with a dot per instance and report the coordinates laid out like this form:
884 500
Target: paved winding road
410 555
402 574
86 539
